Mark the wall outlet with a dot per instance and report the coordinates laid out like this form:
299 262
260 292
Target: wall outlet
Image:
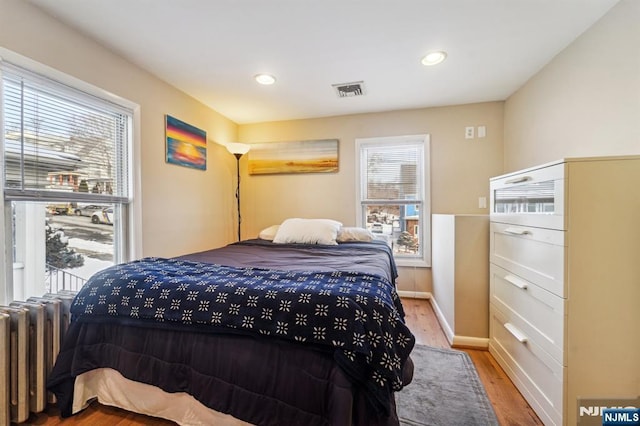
469 132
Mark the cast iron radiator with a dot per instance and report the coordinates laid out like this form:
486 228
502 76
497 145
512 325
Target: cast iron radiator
31 333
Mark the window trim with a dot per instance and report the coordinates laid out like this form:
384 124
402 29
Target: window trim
131 210
425 215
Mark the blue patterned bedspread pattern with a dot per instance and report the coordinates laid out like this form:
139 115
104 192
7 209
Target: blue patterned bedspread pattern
359 316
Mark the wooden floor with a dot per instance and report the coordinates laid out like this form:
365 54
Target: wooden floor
510 407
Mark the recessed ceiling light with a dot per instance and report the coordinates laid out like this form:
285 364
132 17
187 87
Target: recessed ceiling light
434 58
265 79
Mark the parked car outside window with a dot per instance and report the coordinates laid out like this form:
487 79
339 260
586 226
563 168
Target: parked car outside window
376 228
103 216
59 208
87 210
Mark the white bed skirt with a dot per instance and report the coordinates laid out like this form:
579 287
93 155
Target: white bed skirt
111 388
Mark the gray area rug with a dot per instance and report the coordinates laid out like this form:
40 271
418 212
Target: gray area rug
445 391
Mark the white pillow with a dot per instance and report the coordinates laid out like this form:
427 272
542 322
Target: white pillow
308 231
268 233
349 233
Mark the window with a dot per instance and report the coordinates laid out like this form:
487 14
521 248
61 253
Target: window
392 194
65 183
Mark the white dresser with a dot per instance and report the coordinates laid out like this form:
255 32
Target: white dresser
565 282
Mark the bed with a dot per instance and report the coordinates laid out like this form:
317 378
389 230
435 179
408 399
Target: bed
251 333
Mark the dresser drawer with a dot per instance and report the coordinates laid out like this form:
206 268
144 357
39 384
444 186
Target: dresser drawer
535 373
539 313
533 197
535 254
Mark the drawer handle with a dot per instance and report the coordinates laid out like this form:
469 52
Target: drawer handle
517 231
515 332
518 180
516 282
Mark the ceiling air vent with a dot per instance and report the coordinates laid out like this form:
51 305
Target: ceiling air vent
348 90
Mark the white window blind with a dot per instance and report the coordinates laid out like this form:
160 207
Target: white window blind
60 142
392 172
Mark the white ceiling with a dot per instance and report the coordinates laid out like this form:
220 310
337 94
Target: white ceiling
211 49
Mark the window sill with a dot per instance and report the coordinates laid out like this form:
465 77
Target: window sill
412 263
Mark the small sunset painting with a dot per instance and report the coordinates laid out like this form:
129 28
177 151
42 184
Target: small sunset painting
186 144
314 156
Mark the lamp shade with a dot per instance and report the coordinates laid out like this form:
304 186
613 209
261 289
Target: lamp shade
237 148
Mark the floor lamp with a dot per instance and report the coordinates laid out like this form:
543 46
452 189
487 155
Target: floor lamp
238 150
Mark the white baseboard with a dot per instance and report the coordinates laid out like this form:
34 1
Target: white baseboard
457 340
414 294
448 332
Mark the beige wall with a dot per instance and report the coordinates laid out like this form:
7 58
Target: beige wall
585 102
460 168
183 210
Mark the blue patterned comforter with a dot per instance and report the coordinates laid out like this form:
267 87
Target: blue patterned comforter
356 315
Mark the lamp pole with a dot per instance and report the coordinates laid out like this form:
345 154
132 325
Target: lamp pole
238 155
238 150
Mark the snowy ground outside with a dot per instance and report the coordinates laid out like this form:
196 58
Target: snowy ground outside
91 264
94 242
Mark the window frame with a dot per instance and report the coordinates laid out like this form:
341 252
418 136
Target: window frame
127 233
424 209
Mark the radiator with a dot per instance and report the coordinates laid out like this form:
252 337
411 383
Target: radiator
31 334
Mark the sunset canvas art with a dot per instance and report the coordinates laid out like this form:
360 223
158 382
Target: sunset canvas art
186 145
312 156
